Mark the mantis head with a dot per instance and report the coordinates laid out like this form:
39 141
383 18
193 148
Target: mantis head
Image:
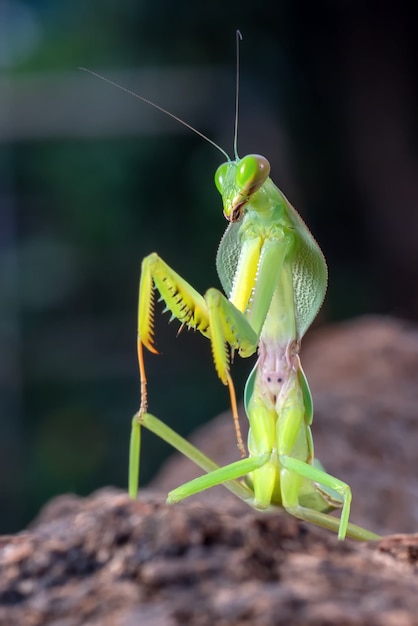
237 181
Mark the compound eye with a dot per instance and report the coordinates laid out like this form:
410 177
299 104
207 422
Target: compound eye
253 170
220 176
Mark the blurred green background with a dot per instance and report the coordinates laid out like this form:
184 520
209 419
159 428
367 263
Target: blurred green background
92 180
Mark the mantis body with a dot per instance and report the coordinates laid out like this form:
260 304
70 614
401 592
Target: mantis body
274 276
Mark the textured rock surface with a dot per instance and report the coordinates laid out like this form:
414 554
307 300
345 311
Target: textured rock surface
108 561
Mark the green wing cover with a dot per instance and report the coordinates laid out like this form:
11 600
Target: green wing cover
228 256
310 274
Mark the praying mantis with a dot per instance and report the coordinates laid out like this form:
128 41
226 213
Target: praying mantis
274 276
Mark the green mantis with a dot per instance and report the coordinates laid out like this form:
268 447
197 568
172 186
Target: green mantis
274 276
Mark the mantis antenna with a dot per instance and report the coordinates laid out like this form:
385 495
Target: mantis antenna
239 38
158 107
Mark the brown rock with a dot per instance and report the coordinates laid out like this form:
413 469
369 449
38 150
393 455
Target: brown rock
108 561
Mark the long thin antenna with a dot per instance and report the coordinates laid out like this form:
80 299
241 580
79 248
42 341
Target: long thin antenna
238 39
158 107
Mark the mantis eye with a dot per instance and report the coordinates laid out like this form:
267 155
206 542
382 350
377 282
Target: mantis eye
220 176
252 172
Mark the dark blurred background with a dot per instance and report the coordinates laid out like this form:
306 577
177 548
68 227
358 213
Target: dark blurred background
92 180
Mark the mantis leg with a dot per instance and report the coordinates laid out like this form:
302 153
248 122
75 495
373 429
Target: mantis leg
183 446
219 476
290 478
324 520
212 315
